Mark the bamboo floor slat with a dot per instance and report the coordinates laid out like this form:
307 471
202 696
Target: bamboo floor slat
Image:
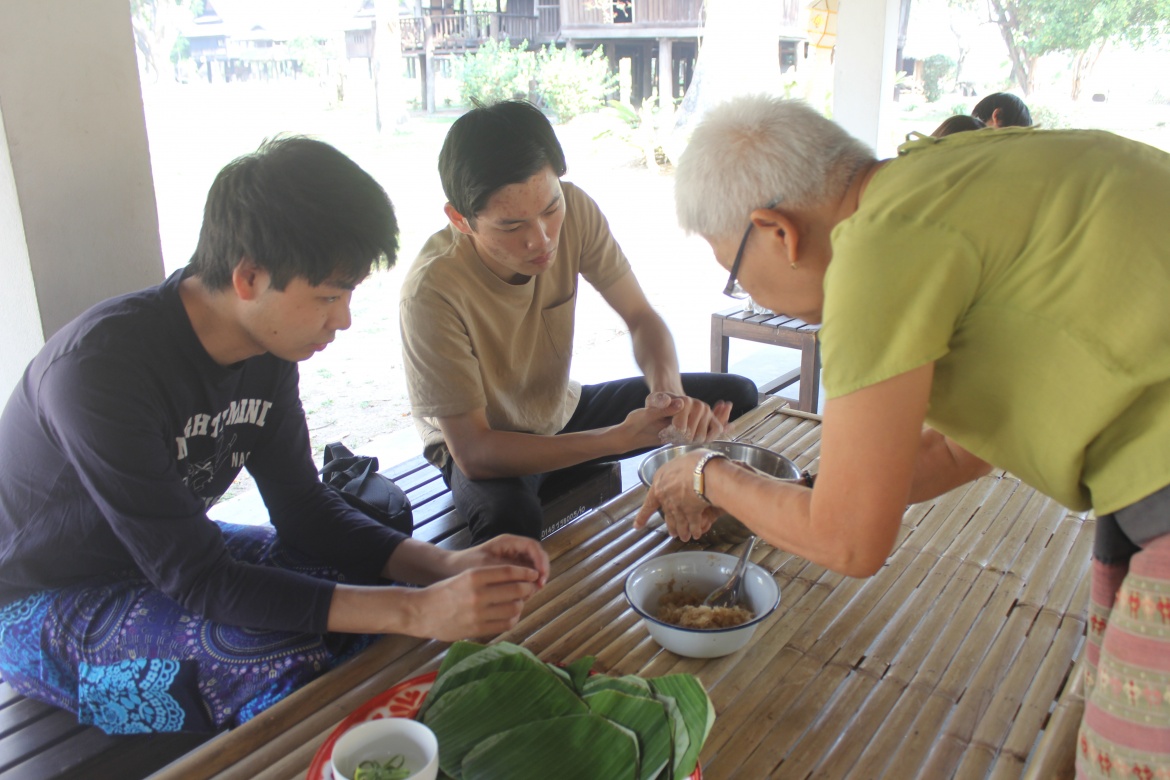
954 660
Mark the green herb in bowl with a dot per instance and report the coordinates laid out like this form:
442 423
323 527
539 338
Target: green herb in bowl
391 770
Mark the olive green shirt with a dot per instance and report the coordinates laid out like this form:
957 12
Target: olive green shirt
1033 268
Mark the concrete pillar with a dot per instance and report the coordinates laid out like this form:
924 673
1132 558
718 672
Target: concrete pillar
78 221
863 65
665 73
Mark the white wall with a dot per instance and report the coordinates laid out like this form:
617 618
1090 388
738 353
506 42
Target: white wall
863 69
75 173
22 323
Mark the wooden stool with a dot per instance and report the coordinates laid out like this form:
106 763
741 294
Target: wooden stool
777 330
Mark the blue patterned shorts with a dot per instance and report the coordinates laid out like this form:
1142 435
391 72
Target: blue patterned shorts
129 659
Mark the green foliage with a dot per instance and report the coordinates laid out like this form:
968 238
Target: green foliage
935 70
1048 117
645 129
496 72
569 83
181 50
1044 26
565 82
1033 28
311 53
155 25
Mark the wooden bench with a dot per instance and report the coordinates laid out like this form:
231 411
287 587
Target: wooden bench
780 331
42 742
564 496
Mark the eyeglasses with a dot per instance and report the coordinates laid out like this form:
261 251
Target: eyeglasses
733 290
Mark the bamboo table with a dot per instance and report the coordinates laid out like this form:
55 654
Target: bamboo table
947 663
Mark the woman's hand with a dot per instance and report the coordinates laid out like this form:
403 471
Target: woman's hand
687 516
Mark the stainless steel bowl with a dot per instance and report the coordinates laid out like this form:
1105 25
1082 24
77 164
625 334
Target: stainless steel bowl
758 457
726 529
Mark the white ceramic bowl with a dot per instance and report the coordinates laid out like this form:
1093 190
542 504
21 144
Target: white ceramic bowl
381 740
701 572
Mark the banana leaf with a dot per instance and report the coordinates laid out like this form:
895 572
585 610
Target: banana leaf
579 671
576 747
680 738
463 717
503 657
630 683
457 652
697 713
646 718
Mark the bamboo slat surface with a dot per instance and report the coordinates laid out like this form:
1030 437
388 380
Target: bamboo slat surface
947 663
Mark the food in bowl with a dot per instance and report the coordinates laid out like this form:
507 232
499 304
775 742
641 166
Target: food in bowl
393 768
700 572
685 609
401 742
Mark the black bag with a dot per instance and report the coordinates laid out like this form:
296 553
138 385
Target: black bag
357 479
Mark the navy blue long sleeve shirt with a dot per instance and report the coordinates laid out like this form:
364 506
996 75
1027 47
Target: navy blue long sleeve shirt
120 435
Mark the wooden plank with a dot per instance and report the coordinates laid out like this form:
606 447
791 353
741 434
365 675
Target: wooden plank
946 663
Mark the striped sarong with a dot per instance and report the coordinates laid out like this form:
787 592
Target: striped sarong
1126 729
129 659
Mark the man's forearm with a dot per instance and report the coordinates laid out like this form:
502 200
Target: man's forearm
359 609
496 454
418 563
655 354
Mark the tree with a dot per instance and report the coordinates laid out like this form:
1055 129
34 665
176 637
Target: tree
1080 28
157 25
735 58
389 89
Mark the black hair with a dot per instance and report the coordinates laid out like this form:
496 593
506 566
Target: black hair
957 124
298 208
493 146
1013 112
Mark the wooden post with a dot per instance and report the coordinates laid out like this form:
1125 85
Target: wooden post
610 50
666 80
646 79
428 57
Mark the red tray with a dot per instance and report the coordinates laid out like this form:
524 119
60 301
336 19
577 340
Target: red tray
401 701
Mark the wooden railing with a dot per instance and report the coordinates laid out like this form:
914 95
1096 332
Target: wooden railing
453 32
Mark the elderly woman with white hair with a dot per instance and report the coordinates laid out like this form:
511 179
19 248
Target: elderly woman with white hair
985 298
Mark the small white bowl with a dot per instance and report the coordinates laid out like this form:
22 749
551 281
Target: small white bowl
700 572
381 740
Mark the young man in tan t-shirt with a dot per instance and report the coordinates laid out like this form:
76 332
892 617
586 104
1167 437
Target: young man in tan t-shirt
487 315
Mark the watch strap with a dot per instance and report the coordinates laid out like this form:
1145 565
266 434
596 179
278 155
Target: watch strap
699 484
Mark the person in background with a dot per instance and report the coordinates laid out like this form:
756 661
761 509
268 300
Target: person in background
954 312
1002 109
122 601
959 123
487 315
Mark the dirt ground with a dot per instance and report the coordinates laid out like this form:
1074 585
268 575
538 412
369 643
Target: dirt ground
355 390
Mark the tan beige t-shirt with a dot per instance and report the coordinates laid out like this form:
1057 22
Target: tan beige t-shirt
472 341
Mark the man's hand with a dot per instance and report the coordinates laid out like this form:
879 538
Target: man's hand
687 516
694 421
505 550
642 427
476 603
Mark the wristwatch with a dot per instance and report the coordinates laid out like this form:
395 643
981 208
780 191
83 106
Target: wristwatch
699 483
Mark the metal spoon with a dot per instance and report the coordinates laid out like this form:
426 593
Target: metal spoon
730 593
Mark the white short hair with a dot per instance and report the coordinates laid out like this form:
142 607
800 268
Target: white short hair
757 151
